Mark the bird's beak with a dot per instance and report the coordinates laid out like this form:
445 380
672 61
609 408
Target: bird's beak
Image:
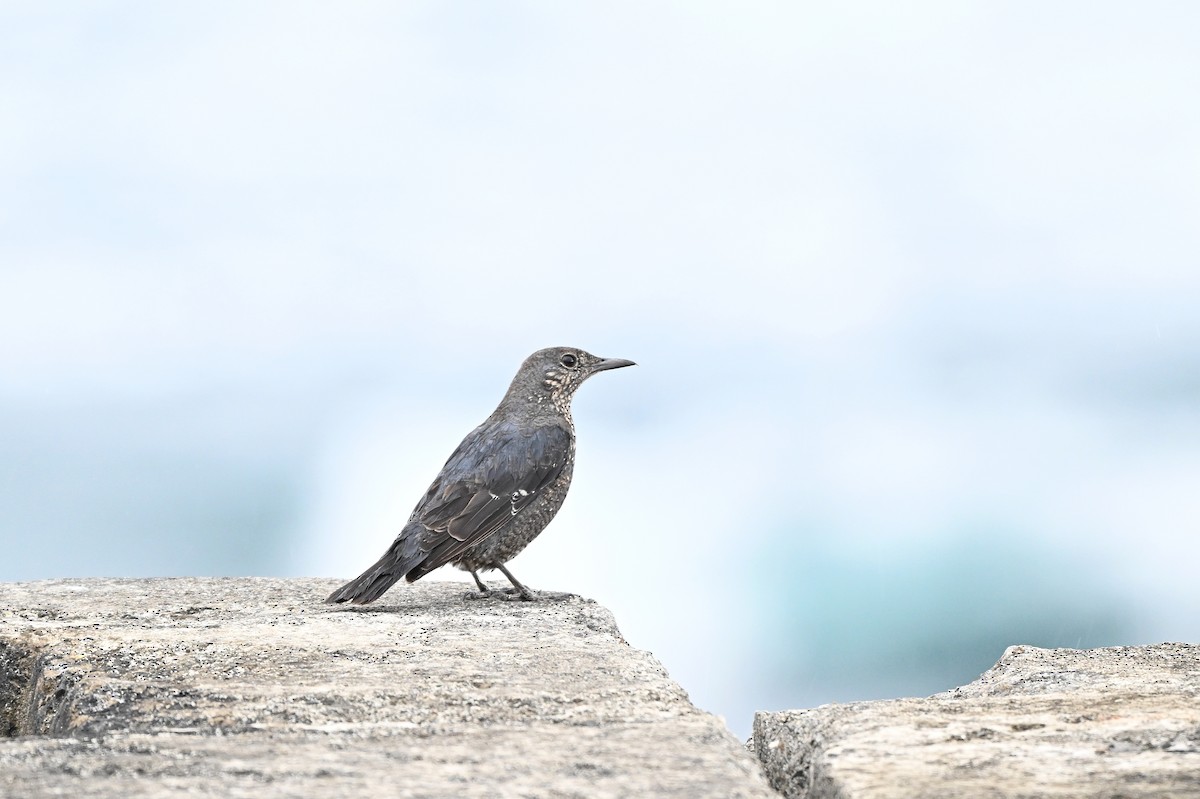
611 363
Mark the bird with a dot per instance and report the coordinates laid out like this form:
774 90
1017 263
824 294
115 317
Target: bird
500 487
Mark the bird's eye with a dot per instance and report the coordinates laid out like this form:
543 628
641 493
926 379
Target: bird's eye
569 360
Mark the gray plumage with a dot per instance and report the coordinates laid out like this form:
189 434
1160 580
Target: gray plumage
500 488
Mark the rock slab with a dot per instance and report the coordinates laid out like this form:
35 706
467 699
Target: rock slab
255 688
1114 722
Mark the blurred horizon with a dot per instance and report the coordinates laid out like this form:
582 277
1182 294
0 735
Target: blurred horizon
911 290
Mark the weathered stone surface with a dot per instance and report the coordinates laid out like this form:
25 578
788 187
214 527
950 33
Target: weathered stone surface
1117 722
254 688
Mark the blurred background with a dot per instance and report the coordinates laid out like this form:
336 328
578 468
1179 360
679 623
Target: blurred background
913 291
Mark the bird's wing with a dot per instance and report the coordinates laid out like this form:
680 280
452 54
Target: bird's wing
494 474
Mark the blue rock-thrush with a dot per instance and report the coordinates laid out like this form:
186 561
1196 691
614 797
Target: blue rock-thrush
500 488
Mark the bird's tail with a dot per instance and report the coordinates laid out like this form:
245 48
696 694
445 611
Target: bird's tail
399 560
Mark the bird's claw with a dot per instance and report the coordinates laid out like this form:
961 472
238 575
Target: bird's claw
512 595
503 594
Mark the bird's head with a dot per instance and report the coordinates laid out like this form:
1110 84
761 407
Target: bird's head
556 372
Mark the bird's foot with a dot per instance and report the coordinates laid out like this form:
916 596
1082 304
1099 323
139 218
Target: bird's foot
502 594
521 594
513 595
484 590
525 593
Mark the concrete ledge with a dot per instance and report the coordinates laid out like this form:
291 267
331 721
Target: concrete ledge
252 687
1117 722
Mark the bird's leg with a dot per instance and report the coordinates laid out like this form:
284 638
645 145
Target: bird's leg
525 593
483 589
